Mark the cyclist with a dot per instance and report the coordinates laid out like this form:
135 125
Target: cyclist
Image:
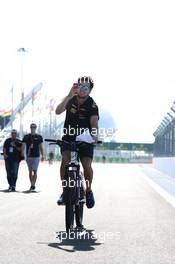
81 114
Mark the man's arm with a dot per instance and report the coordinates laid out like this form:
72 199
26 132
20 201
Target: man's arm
41 151
23 146
5 150
62 106
5 153
94 127
18 146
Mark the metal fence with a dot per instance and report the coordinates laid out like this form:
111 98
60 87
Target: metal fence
164 145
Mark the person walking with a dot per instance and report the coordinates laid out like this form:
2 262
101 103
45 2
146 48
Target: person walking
12 151
34 147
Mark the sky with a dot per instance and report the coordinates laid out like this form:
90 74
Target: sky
127 47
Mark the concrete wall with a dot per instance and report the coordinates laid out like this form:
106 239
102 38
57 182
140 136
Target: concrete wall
166 165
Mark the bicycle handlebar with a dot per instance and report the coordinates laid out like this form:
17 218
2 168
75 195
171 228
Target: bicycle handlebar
60 142
51 140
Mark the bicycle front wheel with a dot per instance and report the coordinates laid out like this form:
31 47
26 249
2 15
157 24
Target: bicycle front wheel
79 214
69 217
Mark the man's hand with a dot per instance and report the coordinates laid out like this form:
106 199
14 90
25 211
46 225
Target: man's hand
74 90
62 106
42 158
95 138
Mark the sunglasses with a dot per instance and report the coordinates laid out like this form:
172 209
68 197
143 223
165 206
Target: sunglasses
84 87
33 127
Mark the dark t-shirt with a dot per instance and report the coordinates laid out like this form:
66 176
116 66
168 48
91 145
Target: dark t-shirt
32 144
78 118
11 150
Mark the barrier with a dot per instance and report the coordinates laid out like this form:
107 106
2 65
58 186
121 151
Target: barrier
165 164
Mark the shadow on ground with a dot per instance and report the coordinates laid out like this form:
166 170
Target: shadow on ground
7 191
28 191
25 192
78 241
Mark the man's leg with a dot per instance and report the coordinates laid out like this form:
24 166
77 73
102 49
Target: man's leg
30 176
33 178
15 167
88 175
7 166
65 161
88 172
29 164
34 167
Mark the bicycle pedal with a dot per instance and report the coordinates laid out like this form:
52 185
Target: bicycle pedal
83 200
60 203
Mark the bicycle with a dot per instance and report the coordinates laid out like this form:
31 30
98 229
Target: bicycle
73 187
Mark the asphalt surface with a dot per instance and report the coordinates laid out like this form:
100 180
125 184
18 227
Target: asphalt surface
130 223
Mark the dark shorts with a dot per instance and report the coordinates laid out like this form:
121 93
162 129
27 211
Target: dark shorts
84 151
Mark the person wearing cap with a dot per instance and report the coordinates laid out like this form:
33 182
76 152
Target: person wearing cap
34 147
12 151
81 114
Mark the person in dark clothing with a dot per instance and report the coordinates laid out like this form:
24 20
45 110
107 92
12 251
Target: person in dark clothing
81 115
12 151
34 147
104 158
51 157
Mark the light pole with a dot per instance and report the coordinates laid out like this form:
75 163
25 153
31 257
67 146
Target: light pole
11 118
22 51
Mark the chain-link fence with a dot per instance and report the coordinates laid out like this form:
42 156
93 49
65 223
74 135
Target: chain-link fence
164 145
